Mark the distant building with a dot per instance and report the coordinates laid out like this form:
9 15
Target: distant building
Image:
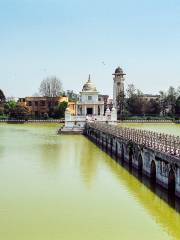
149 97
39 106
110 103
72 108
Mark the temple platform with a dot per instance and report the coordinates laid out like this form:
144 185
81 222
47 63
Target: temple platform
71 130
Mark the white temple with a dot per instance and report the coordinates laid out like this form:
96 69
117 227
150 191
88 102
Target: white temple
89 104
89 108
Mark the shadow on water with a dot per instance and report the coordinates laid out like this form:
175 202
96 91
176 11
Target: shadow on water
150 183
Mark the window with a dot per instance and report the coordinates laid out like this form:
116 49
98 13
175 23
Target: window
89 98
36 103
29 103
36 113
42 103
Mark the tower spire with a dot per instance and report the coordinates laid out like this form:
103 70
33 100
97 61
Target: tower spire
89 78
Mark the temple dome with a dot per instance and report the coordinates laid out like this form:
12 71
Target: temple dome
89 86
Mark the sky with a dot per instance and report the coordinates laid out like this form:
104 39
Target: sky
75 38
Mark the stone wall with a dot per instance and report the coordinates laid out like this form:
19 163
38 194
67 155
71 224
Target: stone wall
161 168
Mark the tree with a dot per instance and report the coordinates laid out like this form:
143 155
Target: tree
59 111
152 107
9 106
131 90
120 103
163 102
135 104
2 96
177 107
19 112
171 99
62 108
15 110
178 92
50 87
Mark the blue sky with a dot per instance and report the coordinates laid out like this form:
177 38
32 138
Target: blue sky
71 39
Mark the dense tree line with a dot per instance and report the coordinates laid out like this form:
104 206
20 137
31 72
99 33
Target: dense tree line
15 111
166 103
133 102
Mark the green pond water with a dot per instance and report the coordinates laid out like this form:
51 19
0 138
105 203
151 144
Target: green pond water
65 188
168 128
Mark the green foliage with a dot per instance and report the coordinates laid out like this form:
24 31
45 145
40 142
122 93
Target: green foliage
9 106
3 117
1 110
168 103
2 96
121 103
177 107
19 112
59 111
152 107
134 103
16 111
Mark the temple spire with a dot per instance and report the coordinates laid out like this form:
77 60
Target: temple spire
89 78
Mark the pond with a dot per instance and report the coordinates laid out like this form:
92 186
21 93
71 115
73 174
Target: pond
64 187
168 128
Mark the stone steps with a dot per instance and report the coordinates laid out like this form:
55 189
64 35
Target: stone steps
73 130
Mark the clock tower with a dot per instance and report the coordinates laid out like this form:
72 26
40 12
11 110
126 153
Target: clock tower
118 89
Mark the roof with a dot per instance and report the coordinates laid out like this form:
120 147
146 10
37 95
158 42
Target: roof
89 86
119 71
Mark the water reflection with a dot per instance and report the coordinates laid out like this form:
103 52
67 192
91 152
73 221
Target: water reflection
50 155
149 195
88 163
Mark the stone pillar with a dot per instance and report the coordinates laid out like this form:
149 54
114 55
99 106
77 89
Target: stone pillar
94 109
102 110
76 109
67 117
114 115
85 110
108 115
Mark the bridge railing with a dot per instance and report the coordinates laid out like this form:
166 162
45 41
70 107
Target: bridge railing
168 144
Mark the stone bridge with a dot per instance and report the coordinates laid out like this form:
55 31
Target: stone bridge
156 155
